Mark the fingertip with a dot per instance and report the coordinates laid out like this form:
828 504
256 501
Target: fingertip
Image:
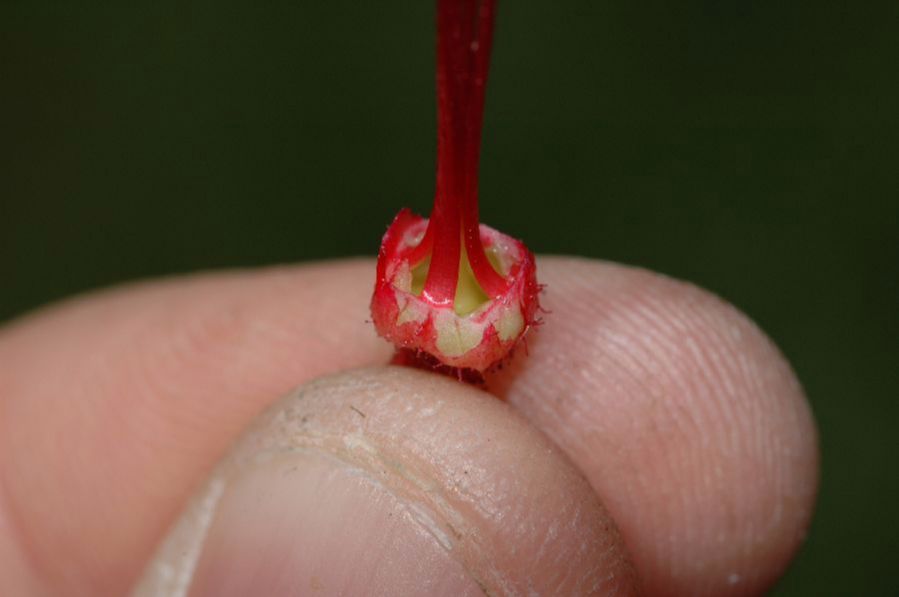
684 416
337 481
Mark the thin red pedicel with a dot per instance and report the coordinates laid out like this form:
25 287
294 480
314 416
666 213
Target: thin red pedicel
438 291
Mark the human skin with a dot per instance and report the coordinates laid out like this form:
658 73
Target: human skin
682 417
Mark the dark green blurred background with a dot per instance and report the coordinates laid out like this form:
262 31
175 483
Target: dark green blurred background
750 147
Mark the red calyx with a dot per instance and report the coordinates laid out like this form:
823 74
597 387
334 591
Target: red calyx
450 287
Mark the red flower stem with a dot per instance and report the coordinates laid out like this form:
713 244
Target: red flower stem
464 39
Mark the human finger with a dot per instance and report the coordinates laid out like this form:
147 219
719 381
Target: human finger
686 419
113 405
391 481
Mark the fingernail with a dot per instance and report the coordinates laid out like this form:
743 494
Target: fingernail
305 522
391 482
277 518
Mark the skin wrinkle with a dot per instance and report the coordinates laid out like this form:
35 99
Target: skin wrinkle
766 445
633 358
704 372
716 373
646 360
704 375
604 354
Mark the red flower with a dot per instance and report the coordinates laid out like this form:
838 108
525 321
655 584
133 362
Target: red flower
449 286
